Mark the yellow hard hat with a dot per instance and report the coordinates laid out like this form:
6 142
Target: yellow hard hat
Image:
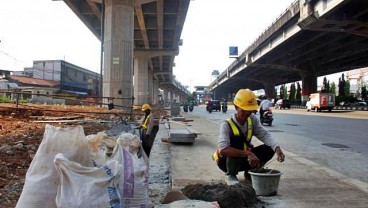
246 100
146 107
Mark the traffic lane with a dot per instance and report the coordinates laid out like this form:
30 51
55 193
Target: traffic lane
350 132
333 113
337 143
320 137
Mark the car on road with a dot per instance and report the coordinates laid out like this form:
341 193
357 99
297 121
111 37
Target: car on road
216 105
360 103
282 104
353 104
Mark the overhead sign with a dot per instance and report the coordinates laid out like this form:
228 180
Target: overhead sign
233 51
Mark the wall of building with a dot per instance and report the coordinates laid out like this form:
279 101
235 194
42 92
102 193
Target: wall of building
70 76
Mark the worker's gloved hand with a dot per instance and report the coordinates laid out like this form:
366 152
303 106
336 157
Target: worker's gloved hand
253 160
280 154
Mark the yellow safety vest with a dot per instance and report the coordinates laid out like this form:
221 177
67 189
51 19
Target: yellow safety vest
144 125
236 132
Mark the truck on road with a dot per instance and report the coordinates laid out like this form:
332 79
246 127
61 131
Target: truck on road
321 101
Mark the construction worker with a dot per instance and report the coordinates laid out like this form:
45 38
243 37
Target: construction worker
235 151
149 129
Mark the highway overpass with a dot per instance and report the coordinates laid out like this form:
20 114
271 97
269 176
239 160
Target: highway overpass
311 38
140 37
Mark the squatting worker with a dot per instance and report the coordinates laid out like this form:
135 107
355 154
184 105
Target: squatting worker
149 129
235 151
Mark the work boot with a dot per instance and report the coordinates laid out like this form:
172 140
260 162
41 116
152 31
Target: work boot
231 180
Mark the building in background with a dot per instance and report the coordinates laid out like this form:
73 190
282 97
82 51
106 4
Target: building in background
72 78
50 77
204 94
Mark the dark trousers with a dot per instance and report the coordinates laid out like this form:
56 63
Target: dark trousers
233 165
261 112
147 140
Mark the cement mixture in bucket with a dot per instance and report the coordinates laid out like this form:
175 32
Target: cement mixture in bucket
265 181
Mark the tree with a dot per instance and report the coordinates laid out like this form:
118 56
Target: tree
292 93
342 87
364 93
324 86
333 88
347 88
282 91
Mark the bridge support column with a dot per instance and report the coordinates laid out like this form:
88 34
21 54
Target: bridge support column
173 96
169 95
156 92
118 48
150 86
309 85
269 89
141 81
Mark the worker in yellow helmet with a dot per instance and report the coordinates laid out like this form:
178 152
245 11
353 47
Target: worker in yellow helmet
235 151
149 129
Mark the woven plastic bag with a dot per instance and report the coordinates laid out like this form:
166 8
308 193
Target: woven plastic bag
42 179
134 180
82 186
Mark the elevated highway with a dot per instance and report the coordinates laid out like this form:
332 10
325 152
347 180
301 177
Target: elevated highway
311 38
140 37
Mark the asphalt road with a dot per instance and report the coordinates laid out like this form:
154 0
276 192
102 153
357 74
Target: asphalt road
337 140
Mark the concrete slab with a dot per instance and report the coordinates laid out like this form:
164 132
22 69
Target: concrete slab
178 118
181 136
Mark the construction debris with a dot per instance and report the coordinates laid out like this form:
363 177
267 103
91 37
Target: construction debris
20 137
236 196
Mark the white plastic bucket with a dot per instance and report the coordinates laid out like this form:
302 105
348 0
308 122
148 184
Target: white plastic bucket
265 181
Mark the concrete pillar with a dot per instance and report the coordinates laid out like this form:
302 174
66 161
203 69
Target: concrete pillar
269 89
150 86
309 85
141 77
118 51
170 97
173 96
156 92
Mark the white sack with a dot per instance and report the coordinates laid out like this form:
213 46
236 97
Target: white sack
87 186
42 179
134 180
100 145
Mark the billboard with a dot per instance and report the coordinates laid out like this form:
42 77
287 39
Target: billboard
233 51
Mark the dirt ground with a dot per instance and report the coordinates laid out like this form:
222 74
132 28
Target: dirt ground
21 132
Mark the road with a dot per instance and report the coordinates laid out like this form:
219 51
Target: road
337 140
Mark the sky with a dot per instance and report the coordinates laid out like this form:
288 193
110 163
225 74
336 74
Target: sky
49 30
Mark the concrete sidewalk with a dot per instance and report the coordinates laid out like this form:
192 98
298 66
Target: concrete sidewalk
304 183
